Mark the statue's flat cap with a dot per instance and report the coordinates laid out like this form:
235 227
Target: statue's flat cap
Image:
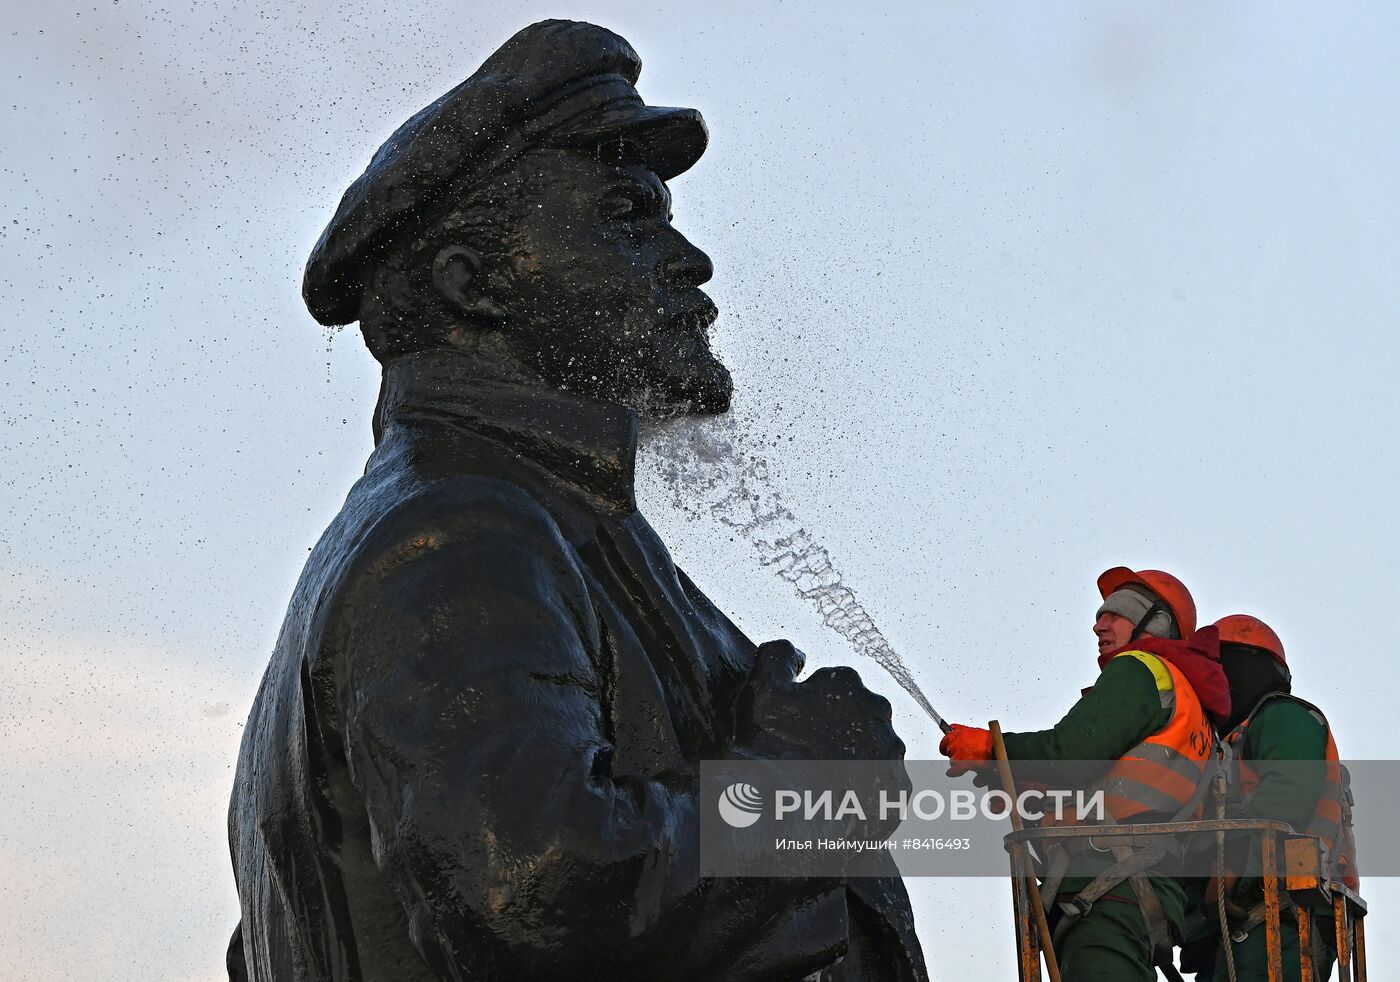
567 82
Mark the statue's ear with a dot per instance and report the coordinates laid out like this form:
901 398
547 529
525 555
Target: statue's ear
456 275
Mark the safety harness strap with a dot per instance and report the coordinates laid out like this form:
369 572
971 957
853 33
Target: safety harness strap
1131 864
1157 607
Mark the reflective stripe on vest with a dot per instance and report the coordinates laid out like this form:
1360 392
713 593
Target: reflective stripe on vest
1158 777
1331 819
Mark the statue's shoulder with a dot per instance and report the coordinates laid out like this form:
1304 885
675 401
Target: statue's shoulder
404 543
467 511
406 551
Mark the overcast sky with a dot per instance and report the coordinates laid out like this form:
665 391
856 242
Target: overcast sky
1012 292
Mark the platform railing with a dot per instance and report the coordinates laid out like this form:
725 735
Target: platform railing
1292 865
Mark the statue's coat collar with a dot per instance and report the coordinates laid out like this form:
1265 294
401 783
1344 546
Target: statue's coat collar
588 443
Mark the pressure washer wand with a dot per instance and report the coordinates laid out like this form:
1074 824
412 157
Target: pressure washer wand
942 723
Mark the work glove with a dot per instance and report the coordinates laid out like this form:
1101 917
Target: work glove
966 746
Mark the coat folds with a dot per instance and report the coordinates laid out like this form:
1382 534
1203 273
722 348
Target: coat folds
474 753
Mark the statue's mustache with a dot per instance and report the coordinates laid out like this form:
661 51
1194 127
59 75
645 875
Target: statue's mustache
699 317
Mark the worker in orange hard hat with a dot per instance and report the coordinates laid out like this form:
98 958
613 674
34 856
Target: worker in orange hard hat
1146 724
1288 771
1165 595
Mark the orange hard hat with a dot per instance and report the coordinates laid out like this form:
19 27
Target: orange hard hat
1243 629
1164 586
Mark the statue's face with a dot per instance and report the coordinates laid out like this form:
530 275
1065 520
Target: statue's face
603 294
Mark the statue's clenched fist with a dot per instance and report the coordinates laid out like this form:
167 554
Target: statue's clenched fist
830 715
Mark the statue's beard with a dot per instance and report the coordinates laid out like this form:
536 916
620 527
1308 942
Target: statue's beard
665 371
685 379
676 373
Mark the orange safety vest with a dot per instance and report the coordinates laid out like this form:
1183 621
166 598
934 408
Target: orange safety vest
1163 778
1158 779
1331 819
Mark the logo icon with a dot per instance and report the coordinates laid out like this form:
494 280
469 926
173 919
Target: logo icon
740 805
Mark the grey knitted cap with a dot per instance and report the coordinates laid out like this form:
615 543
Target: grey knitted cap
1134 604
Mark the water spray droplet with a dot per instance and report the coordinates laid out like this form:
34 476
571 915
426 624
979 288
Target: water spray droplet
707 471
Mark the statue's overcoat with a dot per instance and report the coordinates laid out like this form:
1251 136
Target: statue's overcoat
474 753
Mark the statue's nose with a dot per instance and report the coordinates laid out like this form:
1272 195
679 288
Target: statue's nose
688 267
